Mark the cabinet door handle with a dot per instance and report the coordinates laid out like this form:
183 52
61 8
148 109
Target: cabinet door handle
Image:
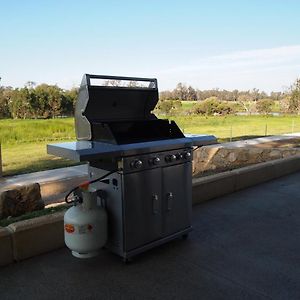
155 204
170 197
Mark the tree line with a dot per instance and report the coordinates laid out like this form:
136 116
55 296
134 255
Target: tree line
50 101
36 101
188 93
216 101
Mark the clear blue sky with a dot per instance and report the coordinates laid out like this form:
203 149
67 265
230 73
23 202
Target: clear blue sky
226 44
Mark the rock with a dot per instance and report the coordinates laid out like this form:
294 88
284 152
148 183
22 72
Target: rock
275 153
255 153
19 200
243 156
232 157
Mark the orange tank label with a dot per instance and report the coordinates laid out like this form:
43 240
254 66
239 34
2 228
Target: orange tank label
69 228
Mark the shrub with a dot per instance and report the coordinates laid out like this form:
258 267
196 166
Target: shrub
264 106
212 106
167 106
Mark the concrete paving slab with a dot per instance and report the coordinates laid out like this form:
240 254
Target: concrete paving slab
244 245
53 183
44 176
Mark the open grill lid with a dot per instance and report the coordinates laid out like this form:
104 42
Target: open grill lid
106 99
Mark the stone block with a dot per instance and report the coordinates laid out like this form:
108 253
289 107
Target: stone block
36 236
19 200
51 188
287 165
210 187
6 250
252 175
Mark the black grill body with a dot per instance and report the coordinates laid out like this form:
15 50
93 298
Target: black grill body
149 196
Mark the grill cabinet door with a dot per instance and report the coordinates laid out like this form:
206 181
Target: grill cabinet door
142 208
177 198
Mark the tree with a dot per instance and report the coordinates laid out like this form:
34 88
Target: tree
295 97
68 101
191 94
54 100
264 106
49 99
181 92
168 106
245 102
255 94
291 102
212 106
276 95
19 103
5 95
166 95
235 95
165 106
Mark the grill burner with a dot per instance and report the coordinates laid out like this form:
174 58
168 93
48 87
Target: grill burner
149 196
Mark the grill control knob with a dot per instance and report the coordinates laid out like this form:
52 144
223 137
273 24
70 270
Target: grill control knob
156 160
187 155
171 158
179 156
137 164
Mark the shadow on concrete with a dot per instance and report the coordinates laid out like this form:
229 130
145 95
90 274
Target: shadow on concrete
244 246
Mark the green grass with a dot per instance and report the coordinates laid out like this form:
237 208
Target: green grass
24 141
33 214
23 144
30 157
187 105
237 126
29 131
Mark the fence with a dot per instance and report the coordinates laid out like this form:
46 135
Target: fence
231 131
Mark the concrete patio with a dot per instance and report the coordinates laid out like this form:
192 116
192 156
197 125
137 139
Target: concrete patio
245 245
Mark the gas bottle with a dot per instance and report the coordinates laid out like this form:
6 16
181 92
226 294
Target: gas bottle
85 226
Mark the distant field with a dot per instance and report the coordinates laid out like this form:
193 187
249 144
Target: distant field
24 141
24 144
238 126
186 105
27 131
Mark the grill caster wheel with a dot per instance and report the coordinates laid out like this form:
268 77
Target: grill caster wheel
185 236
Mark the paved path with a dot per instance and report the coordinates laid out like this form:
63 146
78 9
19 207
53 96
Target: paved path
244 246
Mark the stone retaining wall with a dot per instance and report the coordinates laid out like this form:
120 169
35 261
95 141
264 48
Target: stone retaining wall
0 162
224 158
32 237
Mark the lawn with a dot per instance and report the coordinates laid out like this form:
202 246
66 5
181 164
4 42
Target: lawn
24 141
23 144
238 126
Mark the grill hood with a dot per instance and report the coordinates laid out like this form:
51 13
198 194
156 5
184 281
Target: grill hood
101 103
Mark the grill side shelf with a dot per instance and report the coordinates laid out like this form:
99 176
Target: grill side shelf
88 151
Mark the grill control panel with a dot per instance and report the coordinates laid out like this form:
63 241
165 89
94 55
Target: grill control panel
155 160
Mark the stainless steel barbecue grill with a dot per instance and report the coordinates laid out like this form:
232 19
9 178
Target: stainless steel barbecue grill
148 197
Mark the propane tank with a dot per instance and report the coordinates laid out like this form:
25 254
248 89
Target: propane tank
85 226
